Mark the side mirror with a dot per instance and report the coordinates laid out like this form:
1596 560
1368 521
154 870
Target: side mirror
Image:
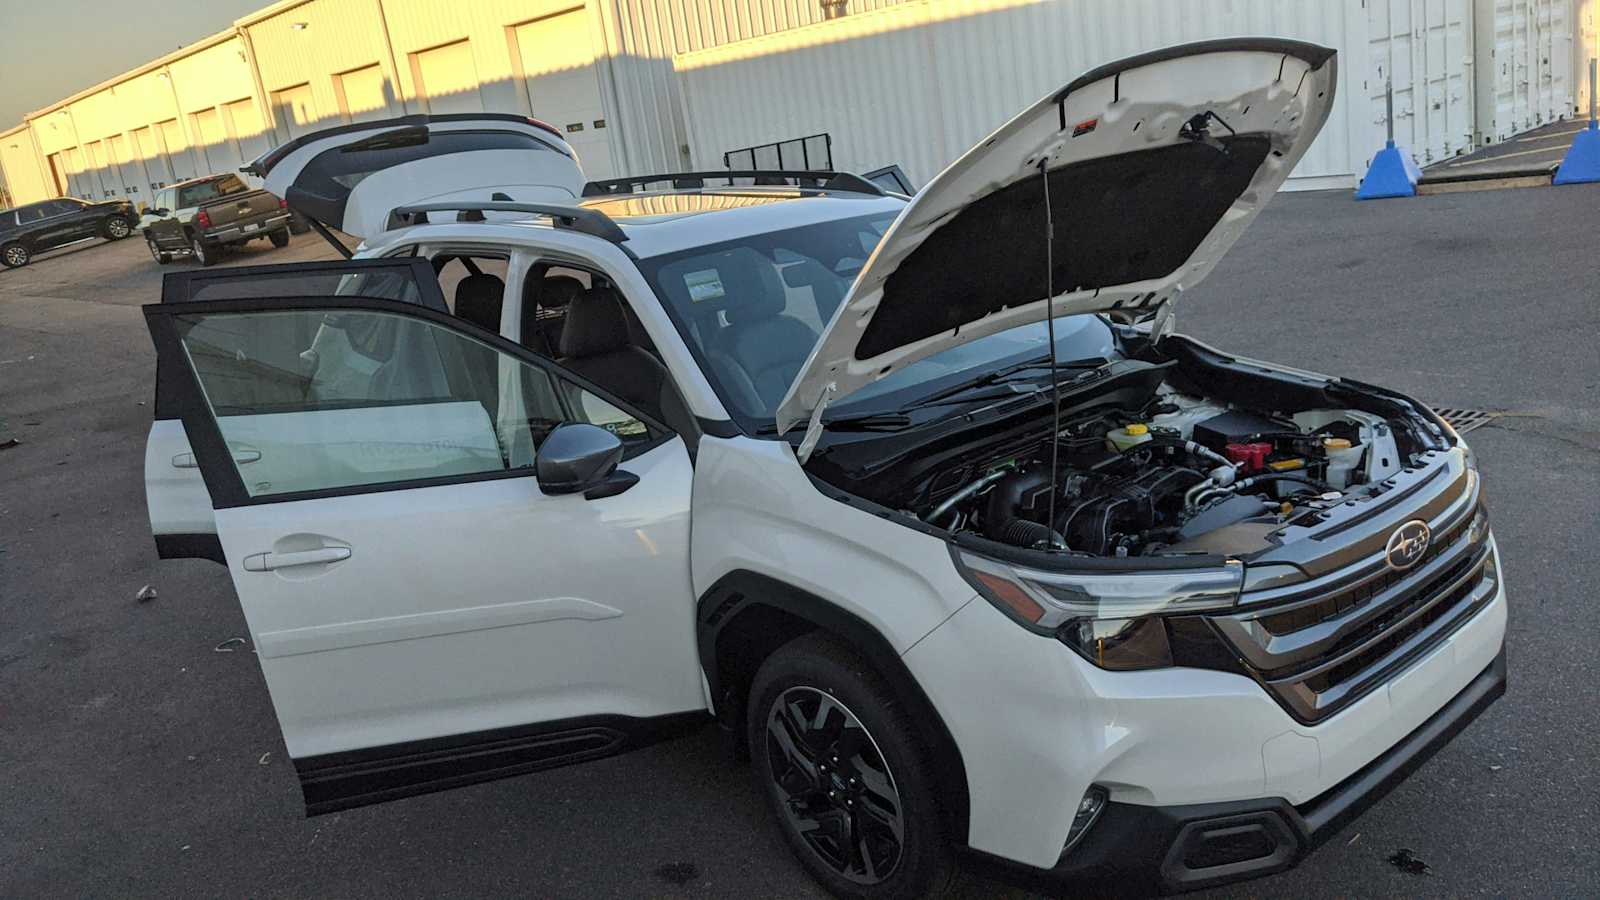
582 458
161 212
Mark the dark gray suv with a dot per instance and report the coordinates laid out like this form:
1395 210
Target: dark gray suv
48 224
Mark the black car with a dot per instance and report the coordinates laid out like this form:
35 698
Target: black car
37 227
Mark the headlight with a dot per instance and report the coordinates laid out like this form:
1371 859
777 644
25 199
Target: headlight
1113 619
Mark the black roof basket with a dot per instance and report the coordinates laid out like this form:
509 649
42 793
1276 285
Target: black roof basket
831 181
576 218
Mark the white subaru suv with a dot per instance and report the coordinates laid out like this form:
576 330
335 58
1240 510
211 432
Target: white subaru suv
920 498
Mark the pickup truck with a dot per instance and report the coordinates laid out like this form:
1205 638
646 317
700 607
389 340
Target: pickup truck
201 216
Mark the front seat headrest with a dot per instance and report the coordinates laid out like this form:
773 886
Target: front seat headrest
552 291
478 300
595 324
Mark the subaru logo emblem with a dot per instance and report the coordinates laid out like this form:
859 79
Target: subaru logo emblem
1407 545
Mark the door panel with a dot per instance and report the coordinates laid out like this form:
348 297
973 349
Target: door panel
424 614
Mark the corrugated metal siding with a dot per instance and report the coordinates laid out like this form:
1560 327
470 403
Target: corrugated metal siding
1426 50
19 163
1527 79
919 83
308 43
643 36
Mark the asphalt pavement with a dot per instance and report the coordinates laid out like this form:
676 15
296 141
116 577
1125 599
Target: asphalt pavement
139 756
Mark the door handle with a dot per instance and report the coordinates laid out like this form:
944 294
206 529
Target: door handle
266 562
242 457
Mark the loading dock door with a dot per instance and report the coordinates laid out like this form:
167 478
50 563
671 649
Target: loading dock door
178 155
557 58
249 130
155 160
129 170
218 151
447 79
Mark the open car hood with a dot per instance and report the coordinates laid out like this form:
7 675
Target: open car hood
1156 164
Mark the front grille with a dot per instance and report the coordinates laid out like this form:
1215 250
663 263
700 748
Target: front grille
1318 651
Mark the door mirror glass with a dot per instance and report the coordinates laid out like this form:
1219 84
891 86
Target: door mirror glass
577 457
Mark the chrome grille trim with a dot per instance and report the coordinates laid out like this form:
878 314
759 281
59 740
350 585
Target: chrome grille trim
1319 645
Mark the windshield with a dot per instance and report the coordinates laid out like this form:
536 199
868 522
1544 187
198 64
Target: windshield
751 311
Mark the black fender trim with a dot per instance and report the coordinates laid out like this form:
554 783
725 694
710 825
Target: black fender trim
337 781
740 591
190 546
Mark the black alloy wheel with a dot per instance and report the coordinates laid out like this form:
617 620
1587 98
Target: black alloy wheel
834 785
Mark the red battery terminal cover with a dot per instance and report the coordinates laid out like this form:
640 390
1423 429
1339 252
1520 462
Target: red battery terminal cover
1250 457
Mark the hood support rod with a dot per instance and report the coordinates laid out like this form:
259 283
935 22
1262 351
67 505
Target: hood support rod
1050 319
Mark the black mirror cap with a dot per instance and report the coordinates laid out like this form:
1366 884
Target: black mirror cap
576 457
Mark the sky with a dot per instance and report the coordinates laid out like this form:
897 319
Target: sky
50 49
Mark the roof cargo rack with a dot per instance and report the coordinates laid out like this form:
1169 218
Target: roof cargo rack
576 218
833 181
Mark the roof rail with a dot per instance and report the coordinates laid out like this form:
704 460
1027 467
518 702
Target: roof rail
576 218
837 181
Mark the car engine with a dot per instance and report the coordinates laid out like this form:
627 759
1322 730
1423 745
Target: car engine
1184 475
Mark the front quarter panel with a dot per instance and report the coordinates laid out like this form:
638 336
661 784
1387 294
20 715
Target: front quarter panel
756 510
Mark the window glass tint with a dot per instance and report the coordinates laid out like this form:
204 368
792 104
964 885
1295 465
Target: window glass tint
754 308
313 400
206 191
384 284
33 213
347 167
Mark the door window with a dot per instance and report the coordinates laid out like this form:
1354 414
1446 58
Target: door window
315 400
27 214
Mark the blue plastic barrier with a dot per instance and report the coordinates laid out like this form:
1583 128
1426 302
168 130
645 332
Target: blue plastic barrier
1582 163
1393 173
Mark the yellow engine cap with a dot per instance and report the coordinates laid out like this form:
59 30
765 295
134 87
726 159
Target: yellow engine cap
1286 465
1138 428
1336 443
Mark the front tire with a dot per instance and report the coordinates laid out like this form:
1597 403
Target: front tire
279 238
14 256
845 772
205 254
115 228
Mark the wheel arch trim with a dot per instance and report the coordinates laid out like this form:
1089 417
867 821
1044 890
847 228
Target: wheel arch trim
740 592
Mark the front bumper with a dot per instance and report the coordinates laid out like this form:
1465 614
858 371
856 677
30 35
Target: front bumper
1181 848
1178 746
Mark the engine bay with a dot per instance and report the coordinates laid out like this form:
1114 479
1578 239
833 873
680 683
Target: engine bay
1193 476
1144 465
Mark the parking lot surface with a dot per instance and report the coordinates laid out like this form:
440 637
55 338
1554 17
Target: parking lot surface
139 756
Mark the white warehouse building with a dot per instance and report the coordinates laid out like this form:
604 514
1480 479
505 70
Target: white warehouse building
647 86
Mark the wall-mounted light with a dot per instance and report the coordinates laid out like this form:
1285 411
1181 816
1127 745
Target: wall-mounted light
298 26
164 76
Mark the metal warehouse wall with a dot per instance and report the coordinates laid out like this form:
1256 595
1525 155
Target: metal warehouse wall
659 85
918 84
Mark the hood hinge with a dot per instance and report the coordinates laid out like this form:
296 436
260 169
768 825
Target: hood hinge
814 426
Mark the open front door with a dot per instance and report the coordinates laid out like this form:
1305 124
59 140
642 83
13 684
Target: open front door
425 615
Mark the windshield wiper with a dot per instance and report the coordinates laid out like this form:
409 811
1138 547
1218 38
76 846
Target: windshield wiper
1002 376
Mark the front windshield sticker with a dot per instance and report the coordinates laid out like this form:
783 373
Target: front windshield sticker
704 285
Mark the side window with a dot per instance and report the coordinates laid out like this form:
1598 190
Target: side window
312 399
29 214
186 198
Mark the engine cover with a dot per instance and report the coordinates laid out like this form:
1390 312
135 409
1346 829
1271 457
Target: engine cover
1109 513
